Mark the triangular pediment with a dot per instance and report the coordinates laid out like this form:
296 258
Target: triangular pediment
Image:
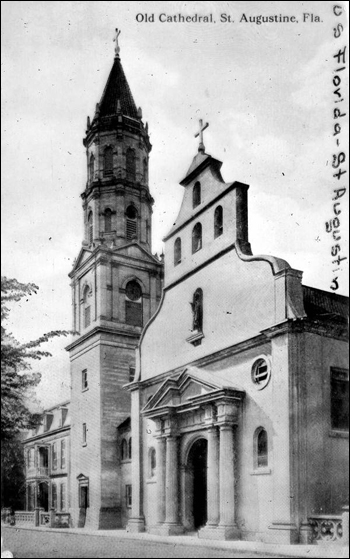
134 250
190 385
81 478
83 255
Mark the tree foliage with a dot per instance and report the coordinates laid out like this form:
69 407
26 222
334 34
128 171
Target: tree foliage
17 379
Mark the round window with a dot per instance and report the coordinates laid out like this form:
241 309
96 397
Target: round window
261 373
133 291
131 212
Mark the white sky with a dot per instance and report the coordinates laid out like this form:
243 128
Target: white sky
266 91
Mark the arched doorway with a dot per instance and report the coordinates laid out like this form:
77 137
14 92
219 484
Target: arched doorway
196 491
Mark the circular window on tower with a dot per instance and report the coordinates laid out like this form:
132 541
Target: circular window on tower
133 291
261 372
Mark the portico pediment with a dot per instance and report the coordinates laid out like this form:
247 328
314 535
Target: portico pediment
189 390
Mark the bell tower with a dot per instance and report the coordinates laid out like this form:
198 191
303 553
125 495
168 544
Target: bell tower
116 287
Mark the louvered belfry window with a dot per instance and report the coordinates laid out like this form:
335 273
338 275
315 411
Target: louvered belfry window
131 223
130 165
108 161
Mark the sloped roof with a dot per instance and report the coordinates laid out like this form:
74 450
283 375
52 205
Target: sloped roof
117 89
322 305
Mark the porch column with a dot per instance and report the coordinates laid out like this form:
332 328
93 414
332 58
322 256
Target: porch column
227 489
161 466
210 530
27 497
172 504
36 491
171 525
213 477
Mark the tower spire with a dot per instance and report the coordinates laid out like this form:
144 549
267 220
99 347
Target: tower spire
117 47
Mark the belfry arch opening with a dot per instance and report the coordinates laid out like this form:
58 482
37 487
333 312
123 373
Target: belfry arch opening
196 485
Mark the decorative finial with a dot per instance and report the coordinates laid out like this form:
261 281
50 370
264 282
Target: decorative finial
97 111
88 122
117 48
139 112
200 134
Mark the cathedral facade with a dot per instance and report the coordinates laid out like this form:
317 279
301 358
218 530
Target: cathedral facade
209 391
240 425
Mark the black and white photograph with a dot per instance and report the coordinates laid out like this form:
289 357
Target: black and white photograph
174 315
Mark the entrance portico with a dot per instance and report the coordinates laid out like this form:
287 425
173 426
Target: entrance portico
196 417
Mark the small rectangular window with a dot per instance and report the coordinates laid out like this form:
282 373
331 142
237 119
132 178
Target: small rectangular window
84 380
54 496
54 456
340 399
87 316
84 433
63 453
131 373
63 497
128 495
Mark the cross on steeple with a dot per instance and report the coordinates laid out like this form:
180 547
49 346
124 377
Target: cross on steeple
200 134
117 48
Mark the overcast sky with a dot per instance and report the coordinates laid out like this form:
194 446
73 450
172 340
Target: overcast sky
266 91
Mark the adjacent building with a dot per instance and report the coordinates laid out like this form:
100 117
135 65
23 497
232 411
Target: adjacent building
47 461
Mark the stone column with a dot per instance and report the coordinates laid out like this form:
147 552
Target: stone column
213 502
171 524
172 504
136 522
227 525
161 466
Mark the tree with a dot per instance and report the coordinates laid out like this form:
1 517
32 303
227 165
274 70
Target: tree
16 376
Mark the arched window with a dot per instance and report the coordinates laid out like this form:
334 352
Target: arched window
218 222
131 223
196 194
129 448
261 448
130 164
152 463
196 237
90 229
145 171
124 450
92 167
133 303
177 251
108 161
87 306
108 220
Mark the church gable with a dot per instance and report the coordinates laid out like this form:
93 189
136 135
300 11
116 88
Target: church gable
187 389
134 250
83 256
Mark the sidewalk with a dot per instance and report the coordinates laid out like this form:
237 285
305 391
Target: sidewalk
310 551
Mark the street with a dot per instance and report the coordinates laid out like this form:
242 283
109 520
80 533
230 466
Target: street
37 544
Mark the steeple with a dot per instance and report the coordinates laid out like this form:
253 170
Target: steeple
117 90
117 150
116 289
